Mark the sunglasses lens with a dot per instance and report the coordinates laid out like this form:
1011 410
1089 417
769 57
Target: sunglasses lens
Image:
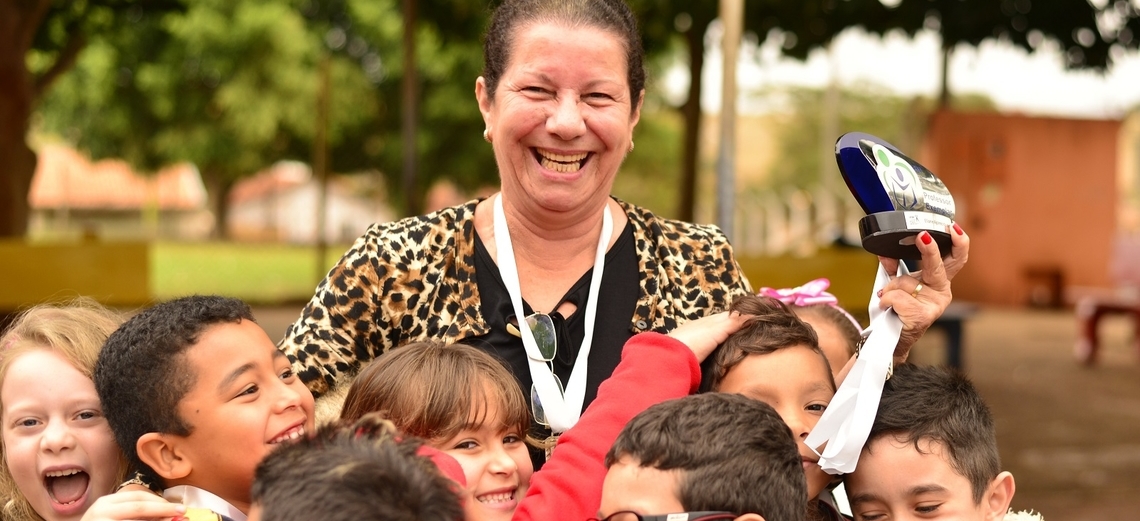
536 402
543 328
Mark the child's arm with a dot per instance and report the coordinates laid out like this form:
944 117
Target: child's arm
653 368
132 504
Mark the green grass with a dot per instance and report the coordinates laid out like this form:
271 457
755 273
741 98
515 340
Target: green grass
256 273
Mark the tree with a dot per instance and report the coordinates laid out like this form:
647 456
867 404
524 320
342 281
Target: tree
1086 33
804 24
50 36
232 90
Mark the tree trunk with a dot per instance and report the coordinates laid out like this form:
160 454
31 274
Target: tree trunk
18 23
691 111
409 101
218 187
944 86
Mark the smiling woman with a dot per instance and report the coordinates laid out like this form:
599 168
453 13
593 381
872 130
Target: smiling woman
561 95
551 274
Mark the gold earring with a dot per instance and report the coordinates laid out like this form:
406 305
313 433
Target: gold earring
487 135
631 145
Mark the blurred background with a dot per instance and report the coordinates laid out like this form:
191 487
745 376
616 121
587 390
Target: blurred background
156 148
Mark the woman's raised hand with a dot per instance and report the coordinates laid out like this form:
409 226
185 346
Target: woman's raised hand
133 505
921 297
704 334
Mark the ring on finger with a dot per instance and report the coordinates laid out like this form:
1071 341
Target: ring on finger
917 290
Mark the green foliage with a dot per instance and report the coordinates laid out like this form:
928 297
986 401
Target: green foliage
232 87
864 108
649 175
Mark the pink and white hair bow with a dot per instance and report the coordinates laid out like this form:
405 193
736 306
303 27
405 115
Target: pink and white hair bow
809 294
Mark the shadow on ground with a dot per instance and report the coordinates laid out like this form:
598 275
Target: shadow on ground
1070 434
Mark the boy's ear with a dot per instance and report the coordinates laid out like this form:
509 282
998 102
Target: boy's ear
163 454
750 517
998 496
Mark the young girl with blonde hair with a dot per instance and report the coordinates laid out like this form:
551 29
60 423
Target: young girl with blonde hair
59 455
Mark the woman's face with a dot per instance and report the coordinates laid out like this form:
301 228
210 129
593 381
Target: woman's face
57 444
495 463
561 119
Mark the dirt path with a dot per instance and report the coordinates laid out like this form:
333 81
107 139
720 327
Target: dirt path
1069 434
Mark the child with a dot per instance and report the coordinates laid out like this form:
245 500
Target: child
838 332
197 395
59 455
931 454
776 359
357 472
466 403
716 453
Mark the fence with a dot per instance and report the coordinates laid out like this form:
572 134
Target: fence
794 222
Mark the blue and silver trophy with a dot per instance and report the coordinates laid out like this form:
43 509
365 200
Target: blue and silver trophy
900 196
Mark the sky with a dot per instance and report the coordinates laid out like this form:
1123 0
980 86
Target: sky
1018 82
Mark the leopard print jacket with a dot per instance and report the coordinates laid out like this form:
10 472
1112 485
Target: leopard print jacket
414 280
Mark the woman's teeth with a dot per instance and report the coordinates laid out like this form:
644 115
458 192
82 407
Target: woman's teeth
561 163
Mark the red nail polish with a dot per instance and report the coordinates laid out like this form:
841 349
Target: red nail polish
926 238
958 229
879 294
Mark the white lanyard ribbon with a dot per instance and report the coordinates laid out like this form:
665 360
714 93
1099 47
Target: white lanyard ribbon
562 411
847 421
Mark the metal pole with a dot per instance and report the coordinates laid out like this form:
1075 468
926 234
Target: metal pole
732 18
321 162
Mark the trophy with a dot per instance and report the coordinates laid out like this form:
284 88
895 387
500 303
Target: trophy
900 196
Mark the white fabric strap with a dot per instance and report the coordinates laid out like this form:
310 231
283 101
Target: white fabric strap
847 421
562 411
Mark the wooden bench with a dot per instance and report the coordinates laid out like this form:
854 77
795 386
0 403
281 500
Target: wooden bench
1124 299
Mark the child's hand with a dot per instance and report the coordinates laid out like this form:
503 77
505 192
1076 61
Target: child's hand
133 504
704 334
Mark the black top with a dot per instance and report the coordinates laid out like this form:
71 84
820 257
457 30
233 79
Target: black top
617 301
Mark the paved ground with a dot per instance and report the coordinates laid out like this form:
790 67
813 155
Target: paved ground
1069 434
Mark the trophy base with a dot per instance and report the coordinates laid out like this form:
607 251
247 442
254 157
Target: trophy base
892 234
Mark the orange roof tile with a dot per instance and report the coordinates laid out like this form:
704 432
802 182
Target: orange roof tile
65 178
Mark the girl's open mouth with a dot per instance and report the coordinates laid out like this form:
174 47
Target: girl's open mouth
66 486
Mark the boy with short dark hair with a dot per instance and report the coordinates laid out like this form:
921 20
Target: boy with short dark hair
356 472
775 358
931 454
197 395
714 453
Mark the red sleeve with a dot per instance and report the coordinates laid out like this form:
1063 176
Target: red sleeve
654 368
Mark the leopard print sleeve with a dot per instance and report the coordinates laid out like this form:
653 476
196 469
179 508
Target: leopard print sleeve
400 282
688 271
342 325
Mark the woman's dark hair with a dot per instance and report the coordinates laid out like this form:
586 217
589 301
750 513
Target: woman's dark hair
613 16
